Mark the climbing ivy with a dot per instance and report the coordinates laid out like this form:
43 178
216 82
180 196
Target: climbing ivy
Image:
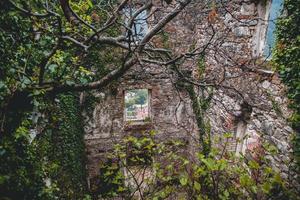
41 135
24 166
199 105
287 61
68 150
200 102
47 163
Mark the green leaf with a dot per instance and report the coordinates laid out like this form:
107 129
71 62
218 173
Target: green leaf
209 163
253 164
52 68
266 187
277 178
227 135
3 178
197 186
2 84
183 181
89 2
245 180
222 164
69 82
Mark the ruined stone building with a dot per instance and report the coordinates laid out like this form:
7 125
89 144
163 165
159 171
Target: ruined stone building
234 38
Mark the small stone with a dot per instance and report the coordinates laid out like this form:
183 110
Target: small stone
252 22
228 19
284 176
288 129
278 99
248 9
266 84
282 146
257 123
267 127
278 133
241 31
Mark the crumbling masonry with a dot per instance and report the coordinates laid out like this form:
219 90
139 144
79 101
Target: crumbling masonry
248 98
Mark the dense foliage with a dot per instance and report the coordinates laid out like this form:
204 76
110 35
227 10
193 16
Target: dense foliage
49 164
41 140
68 149
170 173
287 61
44 52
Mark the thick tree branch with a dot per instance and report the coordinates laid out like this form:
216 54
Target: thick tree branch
106 80
162 23
69 14
119 72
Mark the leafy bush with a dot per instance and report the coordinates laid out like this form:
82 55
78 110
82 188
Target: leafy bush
172 173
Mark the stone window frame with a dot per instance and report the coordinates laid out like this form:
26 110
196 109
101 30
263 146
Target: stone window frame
263 10
138 124
260 36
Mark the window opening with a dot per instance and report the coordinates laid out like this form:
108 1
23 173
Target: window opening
275 12
140 26
246 111
137 105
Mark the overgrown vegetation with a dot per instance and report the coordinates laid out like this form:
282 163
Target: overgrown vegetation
68 149
287 61
41 137
47 163
171 174
47 54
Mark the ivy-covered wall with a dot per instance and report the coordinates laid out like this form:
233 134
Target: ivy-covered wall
287 61
68 149
23 166
48 163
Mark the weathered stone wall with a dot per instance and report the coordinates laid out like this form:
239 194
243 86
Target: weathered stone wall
171 113
248 97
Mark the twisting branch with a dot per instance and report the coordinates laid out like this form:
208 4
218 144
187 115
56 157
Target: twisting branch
72 16
76 42
106 80
109 22
116 41
162 23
